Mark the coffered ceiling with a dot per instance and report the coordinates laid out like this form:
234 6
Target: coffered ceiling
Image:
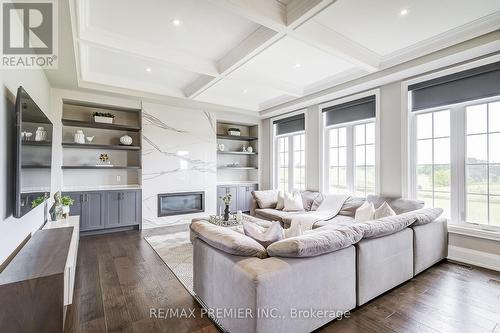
257 54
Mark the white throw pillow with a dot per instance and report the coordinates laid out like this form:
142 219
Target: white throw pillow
263 236
383 211
281 201
365 212
293 202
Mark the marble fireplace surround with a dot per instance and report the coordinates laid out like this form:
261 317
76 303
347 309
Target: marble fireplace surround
178 155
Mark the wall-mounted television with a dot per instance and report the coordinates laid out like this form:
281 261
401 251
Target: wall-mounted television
33 154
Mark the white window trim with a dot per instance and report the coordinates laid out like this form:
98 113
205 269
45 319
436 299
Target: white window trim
274 152
324 186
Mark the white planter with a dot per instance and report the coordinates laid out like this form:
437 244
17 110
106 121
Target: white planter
65 209
106 120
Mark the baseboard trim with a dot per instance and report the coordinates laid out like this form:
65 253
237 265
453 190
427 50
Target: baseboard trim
474 257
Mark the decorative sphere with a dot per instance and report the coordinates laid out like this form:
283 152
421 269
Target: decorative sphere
126 140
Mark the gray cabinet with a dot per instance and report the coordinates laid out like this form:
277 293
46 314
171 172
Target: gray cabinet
100 210
241 196
245 196
122 208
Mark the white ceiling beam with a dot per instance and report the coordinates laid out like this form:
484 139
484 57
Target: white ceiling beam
300 11
330 41
268 13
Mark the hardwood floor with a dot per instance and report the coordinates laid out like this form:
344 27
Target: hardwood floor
119 278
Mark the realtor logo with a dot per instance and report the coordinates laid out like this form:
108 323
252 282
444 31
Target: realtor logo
29 34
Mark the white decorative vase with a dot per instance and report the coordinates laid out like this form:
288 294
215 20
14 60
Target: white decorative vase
126 140
41 134
249 149
79 137
65 209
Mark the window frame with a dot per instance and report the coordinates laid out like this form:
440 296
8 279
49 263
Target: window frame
350 167
275 166
458 162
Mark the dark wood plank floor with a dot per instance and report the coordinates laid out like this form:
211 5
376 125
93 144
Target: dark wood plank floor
119 278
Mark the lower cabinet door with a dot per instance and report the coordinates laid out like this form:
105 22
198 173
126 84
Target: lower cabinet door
243 203
112 212
92 211
76 208
130 208
233 190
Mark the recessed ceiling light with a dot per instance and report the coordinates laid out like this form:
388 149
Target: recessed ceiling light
404 12
148 69
297 65
176 22
244 91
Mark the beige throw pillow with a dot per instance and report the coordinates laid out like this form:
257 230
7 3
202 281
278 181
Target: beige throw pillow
383 211
293 202
365 212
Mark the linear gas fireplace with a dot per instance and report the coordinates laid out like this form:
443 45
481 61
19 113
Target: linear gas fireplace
180 203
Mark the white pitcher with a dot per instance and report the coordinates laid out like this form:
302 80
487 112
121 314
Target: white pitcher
41 134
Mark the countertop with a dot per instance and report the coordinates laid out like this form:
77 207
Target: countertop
100 188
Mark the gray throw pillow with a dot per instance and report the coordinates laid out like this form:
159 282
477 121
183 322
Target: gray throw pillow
263 236
351 205
266 199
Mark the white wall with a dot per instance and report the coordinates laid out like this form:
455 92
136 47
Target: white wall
13 231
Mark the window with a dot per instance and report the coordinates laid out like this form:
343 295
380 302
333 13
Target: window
482 163
364 158
456 160
337 152
433 169
290 153
350 158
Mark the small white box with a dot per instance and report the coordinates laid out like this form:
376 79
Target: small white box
106 120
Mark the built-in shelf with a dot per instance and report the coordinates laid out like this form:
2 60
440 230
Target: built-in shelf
90 124
36 143
83 167
238 168
238 138
98 146
235 153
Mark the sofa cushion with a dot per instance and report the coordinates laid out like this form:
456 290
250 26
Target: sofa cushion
280 204
274 214
426 215
311 199
315 242
399 205
338 220
227 239
266 199
351 205
385 226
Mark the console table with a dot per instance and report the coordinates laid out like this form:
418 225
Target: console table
38 283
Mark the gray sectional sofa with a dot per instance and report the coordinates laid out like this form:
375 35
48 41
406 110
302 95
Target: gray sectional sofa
333 268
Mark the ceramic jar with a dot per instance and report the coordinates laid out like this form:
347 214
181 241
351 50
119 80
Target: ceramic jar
41 134
249 149
126 140
79 137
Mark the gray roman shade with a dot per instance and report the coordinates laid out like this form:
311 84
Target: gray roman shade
290 125
360 109
475 83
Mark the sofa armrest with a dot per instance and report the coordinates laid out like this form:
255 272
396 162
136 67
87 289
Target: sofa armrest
253 206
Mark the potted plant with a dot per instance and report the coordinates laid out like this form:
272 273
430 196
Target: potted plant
38 200
66 201
227 201
103 117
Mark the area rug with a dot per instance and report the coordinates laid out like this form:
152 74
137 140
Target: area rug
176 250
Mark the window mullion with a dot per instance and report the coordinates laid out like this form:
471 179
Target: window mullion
290 163
458 169
350 174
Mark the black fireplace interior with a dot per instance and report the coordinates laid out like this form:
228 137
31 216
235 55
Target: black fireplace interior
181 203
